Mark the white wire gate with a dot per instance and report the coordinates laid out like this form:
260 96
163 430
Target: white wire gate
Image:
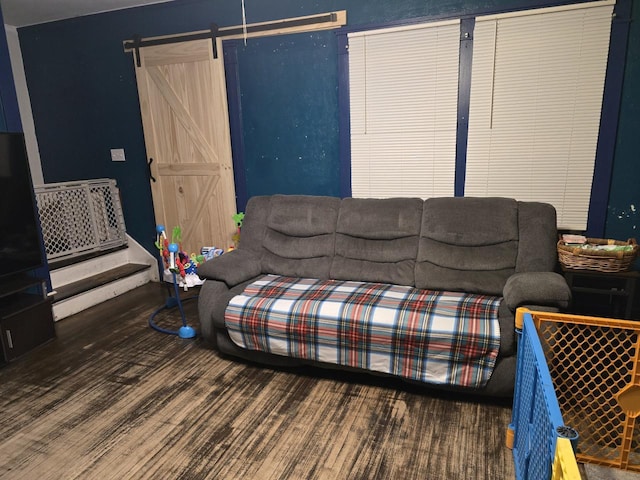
80 217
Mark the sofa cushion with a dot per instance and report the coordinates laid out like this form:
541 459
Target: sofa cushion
299 235
377 240
467 244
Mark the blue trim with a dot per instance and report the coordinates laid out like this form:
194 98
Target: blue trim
344 115
234 101
464 93
611 99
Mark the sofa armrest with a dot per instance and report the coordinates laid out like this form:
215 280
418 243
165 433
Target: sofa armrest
537 288
231 268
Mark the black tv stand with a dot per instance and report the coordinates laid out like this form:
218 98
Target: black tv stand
26 318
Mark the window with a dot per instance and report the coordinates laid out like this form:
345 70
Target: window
403 101
534 114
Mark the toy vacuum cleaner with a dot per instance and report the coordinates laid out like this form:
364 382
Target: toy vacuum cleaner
170 257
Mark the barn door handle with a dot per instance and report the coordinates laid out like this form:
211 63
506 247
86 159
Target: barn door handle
149 165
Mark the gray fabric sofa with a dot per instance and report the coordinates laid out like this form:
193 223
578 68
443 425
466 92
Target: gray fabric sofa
493 246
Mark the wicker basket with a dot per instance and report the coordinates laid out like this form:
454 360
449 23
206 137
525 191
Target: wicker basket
578 258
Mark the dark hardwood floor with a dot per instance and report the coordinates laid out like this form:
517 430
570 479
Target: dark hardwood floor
112 398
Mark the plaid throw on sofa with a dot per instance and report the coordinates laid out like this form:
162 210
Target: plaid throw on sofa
438 337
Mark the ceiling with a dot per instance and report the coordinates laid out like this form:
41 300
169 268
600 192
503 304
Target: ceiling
20 13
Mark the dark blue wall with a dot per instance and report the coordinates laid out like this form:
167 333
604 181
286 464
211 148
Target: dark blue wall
623 220
290 113
9 113
84 97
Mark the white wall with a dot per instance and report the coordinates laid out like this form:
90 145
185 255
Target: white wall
24 104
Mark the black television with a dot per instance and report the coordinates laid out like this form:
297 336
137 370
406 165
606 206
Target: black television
20 247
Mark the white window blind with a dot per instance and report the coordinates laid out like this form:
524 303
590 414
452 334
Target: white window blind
403 86
536 96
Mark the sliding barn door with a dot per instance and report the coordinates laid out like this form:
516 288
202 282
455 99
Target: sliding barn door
183 102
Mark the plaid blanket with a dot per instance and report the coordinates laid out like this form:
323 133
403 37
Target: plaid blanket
439 337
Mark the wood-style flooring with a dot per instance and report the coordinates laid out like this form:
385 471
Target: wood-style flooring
110 398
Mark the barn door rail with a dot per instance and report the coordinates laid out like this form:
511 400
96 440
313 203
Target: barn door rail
323 21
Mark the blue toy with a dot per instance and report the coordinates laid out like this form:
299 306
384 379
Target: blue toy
169 255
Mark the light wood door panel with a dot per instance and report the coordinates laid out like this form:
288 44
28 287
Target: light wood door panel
183 102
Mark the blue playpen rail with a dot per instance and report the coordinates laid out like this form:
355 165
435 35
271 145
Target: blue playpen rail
536 422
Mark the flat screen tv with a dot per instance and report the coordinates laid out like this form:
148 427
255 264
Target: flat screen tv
20 249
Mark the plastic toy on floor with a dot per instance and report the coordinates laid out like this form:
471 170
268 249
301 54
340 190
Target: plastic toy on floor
175 262
185 265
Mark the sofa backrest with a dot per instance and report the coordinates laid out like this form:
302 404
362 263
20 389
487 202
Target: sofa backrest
468 244
462 243
298 234
377 240
476 244
254 225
